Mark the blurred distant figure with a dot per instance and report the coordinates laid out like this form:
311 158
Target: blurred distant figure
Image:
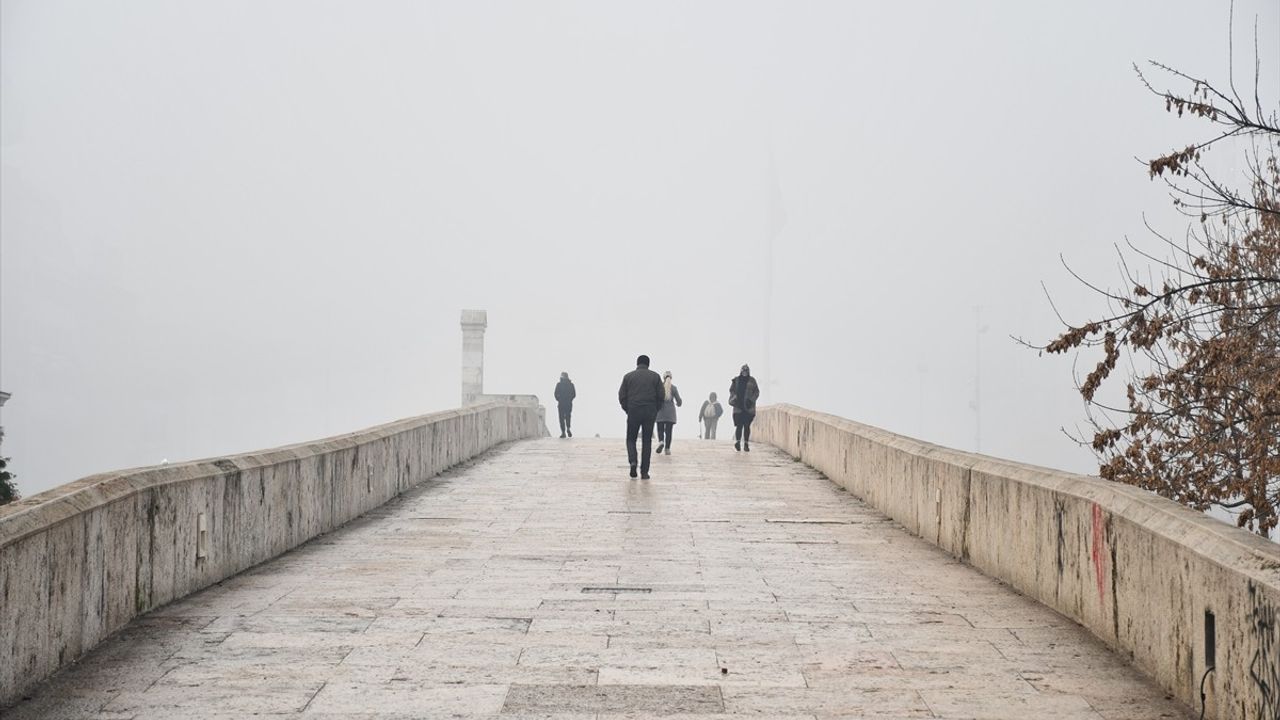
564 399
667 413
641 394
709 416
743 393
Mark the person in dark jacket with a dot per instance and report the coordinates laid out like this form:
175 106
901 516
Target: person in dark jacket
564 399
667 413
640 395
709 416
743 393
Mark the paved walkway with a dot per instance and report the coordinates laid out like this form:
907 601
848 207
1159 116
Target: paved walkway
539 582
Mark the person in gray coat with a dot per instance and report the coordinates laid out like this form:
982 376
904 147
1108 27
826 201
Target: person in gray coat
710 414
667 413
640 396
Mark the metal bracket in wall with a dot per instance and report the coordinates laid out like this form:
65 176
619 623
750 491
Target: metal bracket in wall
202 536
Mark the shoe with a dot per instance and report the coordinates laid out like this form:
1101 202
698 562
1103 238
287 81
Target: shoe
737 446
633 471
644 476
746 447
561 436
668 452
570 432
659 450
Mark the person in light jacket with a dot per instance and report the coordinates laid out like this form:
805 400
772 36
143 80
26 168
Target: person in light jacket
667 413
709 415
564 400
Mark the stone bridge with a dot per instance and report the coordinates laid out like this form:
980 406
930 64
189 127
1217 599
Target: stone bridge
463 564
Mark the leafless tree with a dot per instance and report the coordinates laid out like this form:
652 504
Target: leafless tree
8 489
1194 330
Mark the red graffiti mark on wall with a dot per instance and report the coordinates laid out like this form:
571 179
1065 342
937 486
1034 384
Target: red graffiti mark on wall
1099 551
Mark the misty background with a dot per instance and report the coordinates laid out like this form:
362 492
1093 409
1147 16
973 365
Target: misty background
226 226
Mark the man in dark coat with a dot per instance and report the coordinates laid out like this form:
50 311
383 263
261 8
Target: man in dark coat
641 395
743 393
564 399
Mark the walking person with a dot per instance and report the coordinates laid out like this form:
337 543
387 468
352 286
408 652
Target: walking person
564 400
709 416
667 413
743 393
640 395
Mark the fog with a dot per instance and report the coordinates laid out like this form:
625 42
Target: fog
226 226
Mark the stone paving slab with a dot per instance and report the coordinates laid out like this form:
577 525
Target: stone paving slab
540 582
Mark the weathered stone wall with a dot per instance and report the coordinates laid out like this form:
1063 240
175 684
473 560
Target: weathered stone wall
80 561
1137 570
517 400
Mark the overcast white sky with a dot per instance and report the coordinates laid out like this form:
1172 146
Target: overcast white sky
231 225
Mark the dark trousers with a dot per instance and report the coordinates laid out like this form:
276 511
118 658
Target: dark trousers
664 433
565 412
640 422
742 425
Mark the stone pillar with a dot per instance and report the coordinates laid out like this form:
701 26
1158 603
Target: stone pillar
473 325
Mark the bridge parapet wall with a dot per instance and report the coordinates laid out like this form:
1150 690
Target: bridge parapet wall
80 561
1142 573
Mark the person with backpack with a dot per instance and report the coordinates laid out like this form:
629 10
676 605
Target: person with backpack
667 413
564 401
709 416
743 393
